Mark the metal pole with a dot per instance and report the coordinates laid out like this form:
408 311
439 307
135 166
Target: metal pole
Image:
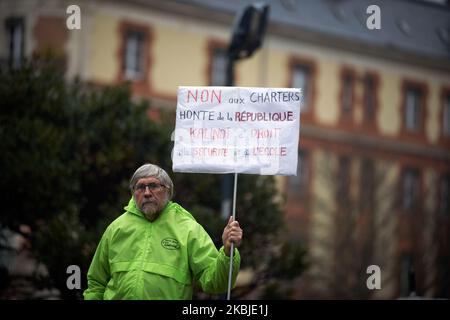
230 82
230 273
227 179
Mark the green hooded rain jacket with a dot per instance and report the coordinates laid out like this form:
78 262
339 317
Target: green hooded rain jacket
139 259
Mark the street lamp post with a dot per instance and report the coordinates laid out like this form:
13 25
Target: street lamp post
247 36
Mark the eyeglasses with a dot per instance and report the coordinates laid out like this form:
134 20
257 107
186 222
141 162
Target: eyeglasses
152 187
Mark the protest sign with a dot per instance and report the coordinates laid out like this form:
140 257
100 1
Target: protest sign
237 130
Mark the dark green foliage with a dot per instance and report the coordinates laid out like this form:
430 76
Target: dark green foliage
260 216
68 151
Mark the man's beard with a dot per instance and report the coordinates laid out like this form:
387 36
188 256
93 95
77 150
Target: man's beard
151 210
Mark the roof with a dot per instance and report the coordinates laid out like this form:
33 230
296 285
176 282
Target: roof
415 27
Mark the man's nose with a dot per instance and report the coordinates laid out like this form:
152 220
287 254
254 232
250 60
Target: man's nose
147 191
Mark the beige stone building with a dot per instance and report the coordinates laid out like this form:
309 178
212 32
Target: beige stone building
374 170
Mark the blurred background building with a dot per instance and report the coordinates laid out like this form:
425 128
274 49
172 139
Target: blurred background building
374 171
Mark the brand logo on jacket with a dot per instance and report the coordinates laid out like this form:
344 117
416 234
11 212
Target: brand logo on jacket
170 244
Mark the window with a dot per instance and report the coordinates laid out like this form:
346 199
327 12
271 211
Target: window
369 98
134 54
446 115
301 78
348 82
410 189
413 111
300 183
367 181
343 182
15 37
218 74
444 197
407 276
302 75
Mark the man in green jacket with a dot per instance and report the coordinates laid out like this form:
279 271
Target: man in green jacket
156 249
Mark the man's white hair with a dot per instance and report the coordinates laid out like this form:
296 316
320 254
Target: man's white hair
151 170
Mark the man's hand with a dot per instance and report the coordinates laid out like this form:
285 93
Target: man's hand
231 234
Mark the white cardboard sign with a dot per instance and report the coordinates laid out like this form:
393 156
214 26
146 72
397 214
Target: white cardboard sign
237 130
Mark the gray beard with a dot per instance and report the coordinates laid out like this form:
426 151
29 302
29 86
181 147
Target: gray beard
151 211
